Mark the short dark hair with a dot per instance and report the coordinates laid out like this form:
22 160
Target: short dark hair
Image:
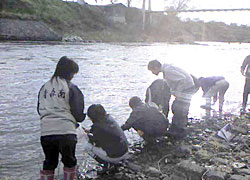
134 101
96 112
65 67
154 64
201 79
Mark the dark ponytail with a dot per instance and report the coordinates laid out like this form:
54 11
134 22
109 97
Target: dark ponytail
65 68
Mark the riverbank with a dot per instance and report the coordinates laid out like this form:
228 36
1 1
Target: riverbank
59 20
68 20
203 155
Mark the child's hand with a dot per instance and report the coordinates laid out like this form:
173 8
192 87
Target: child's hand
86 130
140 132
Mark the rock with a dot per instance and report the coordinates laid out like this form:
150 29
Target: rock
196 147
176 176
208 130
183 151
27 30
134 167
190 169
237 165
243 154
153 178
167 178
204 155
214 175
240 129
238 177
153 172
225 168
218 145
72 39
220 161
243 171
118 175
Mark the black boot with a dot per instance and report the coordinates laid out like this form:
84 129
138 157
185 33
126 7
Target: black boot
105 166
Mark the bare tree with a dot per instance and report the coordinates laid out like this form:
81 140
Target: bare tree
176 5
114 1
129 3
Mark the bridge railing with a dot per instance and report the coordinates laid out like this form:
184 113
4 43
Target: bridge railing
200 10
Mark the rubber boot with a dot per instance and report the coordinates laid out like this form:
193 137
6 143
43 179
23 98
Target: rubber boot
47 174
105 166
69 173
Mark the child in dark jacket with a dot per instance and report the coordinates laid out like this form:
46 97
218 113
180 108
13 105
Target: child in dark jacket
146 120
105 133
159 94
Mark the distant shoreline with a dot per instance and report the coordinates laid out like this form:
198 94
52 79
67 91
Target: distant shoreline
114 23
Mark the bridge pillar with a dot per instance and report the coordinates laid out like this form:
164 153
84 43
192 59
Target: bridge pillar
144 13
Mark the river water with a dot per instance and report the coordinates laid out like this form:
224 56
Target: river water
109 74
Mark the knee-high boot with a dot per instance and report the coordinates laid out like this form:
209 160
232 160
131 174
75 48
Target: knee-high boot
47 174
69 173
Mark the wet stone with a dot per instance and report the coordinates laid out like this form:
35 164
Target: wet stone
183 151
225 168
243 171
177 176
190 169
204 155
219 146
239 129
220 161
196 147
153 178
214 175
196 141
153 172
222 154
118 175
238 177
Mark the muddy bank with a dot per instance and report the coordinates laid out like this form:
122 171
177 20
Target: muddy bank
26 30
202 155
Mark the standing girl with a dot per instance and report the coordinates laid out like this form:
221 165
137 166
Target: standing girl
60 106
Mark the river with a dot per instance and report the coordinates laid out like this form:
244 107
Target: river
110 73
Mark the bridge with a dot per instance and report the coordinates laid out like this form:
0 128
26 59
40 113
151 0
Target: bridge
149 11
199 10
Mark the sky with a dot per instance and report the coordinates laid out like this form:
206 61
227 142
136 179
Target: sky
237 17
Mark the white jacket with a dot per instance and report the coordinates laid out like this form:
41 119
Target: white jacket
177 79
54 108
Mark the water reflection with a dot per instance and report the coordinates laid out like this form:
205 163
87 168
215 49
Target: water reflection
109 74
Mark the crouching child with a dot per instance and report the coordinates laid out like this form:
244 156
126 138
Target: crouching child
109 145
146 120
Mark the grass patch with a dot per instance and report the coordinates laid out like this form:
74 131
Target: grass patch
61 16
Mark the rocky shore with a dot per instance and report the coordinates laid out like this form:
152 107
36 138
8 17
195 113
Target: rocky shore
26 30
203 155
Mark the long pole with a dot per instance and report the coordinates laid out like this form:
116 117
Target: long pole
143 15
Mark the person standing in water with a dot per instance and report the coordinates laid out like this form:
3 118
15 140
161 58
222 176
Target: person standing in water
60 106
212 86
245 71
183 86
